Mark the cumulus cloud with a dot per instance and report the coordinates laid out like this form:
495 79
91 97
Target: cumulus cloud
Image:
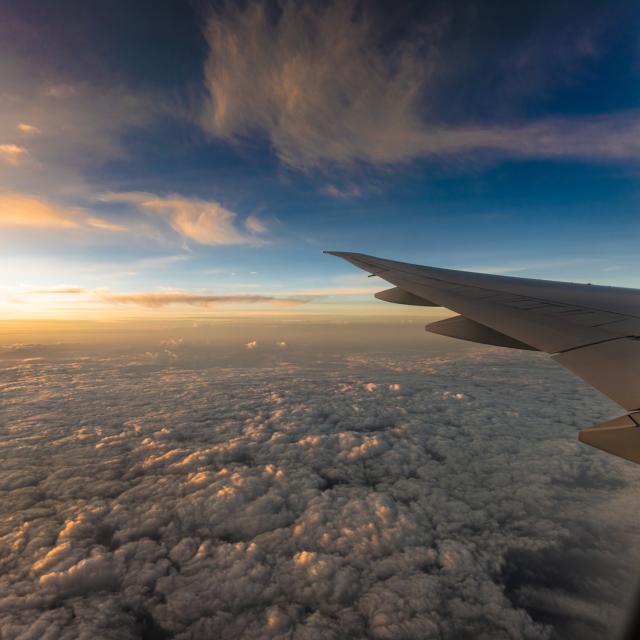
359 497
317 81
203 221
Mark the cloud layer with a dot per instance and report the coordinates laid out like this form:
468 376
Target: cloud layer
393 496
320 83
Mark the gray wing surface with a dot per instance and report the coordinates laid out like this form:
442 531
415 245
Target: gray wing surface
591 330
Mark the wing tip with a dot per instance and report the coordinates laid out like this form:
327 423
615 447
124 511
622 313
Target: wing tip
340 254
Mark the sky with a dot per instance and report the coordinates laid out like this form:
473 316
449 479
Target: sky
180 158
208 427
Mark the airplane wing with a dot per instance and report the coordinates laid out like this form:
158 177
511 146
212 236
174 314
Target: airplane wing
591 330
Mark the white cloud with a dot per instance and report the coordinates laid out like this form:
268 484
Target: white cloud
203 221
316 81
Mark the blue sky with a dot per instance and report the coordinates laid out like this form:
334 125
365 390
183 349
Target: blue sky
198 151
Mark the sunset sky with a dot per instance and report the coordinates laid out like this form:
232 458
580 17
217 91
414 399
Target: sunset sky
196 158
211 429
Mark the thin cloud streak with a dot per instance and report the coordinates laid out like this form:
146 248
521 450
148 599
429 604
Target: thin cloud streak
316 83
62 289
163 299
157 299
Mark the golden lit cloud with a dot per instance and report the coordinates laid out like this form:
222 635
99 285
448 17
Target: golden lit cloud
29 129
60 290
12 154
22 210
18 210
203 221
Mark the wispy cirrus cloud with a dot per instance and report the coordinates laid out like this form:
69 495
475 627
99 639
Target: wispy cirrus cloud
203 221
317 82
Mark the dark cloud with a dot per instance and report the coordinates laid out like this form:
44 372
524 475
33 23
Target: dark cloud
386 496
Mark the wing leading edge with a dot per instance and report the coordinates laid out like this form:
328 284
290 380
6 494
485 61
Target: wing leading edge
591 330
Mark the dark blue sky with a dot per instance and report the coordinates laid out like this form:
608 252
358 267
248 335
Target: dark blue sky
220 147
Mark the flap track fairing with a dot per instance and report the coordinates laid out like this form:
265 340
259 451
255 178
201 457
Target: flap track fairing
465 329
